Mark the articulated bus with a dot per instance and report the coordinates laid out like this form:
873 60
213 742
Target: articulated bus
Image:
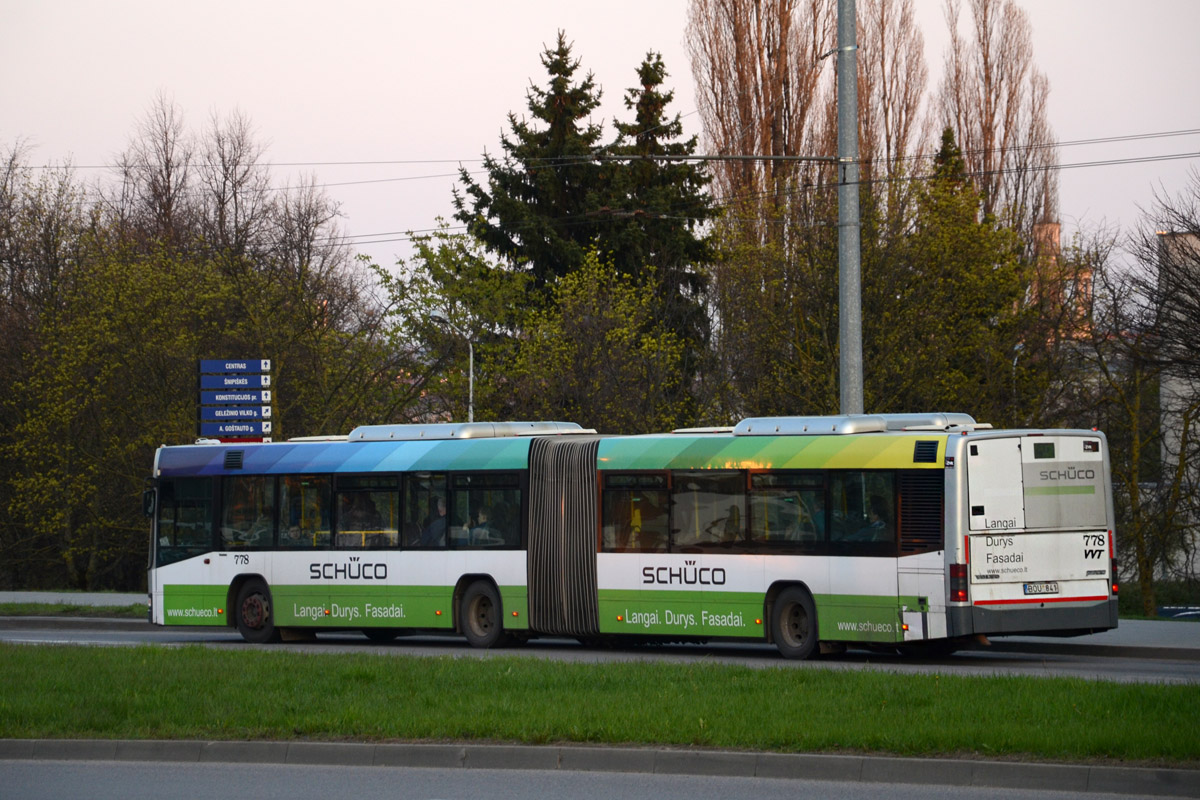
912 532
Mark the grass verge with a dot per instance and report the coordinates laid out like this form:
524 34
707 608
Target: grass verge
134 611
201 693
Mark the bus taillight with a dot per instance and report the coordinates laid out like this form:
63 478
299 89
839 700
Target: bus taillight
1112 563
958 583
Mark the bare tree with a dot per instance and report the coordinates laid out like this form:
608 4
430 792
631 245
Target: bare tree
996 102
757 69
152 199
1121 389
235 206
1169 245
891 88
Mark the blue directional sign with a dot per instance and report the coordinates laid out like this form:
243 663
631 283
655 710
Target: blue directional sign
229 413
235 381
236 397
248 428
226 365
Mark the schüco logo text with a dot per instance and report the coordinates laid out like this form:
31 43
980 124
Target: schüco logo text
1068 474
688 575
355 570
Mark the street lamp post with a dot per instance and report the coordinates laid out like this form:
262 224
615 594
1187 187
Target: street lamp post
441 320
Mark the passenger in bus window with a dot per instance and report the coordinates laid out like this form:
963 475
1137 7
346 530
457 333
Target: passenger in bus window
481 531
878 527
361 513
434 534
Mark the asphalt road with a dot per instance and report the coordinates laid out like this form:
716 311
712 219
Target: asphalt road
1136 651
99 769
100 780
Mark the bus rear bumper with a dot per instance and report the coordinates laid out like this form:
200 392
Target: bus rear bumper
1042 621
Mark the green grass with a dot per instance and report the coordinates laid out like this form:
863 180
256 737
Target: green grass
134 611
202 693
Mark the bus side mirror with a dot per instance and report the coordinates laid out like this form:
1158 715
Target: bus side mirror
148 502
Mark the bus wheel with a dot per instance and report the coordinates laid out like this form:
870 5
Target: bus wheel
794 623
480 615
255 622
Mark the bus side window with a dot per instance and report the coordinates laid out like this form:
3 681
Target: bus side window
635 513
708 508
787 510
486 510
426 510
368 511
304 505
184 518
248 514
863 512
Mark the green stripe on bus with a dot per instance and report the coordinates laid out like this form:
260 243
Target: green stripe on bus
340 606
1060 490
848 618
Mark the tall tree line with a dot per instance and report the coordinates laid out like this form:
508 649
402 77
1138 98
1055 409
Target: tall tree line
766 87
110 293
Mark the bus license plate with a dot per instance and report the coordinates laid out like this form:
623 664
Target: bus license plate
1050 587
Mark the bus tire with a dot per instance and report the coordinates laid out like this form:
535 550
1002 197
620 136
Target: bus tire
482 622
794 623
255 618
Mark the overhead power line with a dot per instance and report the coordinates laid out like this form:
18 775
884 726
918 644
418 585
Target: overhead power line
576 159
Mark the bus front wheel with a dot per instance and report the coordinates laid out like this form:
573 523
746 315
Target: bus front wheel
794 623
255 620
480 616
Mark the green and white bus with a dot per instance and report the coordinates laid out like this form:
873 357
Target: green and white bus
882 531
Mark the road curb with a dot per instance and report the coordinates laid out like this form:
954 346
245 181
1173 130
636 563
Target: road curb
1137 781
78 623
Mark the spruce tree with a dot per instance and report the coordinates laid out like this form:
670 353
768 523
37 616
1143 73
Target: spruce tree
659 208
535 207
658 205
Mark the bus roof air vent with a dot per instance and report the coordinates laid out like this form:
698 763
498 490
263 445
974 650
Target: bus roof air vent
233 459
925 452
854 423
811 426
930 422
460 430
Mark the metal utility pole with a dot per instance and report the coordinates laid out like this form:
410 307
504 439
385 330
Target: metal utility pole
849 227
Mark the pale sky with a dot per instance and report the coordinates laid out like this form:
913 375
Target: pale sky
432 82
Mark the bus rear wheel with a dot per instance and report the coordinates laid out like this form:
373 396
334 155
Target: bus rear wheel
480 616
255 620
794 623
